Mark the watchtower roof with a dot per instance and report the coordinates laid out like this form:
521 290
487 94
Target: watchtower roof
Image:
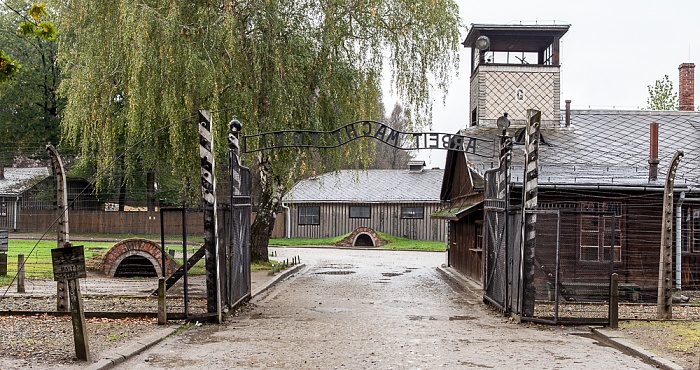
527 38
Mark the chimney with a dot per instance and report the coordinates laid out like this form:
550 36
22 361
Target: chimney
686 87
568 112
653 151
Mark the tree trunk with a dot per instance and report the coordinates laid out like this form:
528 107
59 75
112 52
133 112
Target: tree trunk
270 198
260 233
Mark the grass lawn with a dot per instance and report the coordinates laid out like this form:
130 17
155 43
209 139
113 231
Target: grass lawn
38 264
37 257
394 242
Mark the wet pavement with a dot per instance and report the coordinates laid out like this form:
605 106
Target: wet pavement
356 309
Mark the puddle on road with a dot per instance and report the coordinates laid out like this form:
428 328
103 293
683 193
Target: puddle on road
391 274
327 309
474 365
439 318
421 318
338 266
335 272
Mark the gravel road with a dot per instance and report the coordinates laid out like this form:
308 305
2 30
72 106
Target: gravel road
375 309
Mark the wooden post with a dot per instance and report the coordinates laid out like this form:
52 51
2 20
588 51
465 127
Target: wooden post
664 302
20 273
614 300
82 349
3 264
162 312
69 265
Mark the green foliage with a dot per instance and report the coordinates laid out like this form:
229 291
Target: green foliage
662 96
268 62
26 28
8 67
29 106
43 29
37 11
37 256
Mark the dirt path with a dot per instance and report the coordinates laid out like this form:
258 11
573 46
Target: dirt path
375 309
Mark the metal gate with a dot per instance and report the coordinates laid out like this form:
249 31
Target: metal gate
495 242
238 254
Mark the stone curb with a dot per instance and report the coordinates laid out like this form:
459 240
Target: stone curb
124 353
133 349
610 337
279 277
464 282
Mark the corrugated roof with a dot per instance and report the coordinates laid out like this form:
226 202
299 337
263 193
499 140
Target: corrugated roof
17 180
369 186
605 147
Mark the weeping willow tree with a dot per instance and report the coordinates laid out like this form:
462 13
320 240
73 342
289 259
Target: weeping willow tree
135 67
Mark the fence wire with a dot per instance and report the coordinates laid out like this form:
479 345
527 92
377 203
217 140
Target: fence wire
582 238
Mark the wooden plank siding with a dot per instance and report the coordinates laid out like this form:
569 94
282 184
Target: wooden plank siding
384 217
466 253
640 244
136 222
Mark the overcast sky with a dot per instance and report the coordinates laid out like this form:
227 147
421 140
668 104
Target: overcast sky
612 52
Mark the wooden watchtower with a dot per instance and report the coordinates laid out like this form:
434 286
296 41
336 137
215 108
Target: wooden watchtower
514 68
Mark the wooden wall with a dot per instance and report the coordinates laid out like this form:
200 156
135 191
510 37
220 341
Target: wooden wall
385 217
101 222
465 256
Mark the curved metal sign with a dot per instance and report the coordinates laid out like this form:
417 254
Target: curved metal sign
360 129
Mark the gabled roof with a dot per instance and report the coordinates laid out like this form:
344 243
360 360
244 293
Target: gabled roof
371 186
17 180
604 147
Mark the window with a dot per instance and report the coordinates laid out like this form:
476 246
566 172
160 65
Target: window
479 237
691 231
3 210
411 212
360 212
309 215
600 227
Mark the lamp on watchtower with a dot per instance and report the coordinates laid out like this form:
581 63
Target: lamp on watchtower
482 43
503 123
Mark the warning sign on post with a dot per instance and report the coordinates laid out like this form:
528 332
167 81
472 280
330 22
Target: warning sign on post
68 263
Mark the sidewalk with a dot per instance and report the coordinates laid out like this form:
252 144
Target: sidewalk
260 281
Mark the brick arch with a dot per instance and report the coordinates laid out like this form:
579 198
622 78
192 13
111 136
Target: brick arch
136 247
350 240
